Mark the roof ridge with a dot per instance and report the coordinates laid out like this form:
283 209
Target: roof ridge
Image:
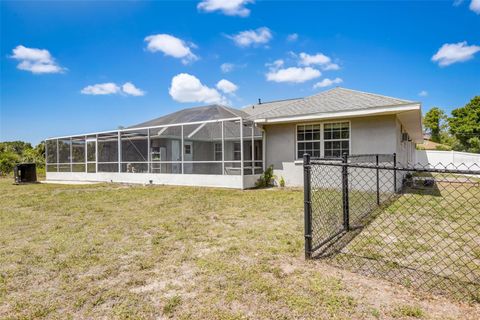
231 110
274 108
374 94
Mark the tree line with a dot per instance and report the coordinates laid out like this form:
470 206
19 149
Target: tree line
460 131
14 152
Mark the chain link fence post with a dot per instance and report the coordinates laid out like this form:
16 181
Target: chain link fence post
307 192
346 209
395 173
378 181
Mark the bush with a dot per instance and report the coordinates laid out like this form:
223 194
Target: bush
266 179
8 160
282 182
443 147
14 152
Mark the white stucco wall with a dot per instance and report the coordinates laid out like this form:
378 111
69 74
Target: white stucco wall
205 180
369 135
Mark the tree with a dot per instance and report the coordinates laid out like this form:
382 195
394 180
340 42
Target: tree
434 121
465 125
8 160
17 147
14 152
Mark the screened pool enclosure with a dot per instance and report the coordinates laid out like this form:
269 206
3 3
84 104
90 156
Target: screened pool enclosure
213 145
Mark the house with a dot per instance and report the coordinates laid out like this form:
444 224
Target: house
220 146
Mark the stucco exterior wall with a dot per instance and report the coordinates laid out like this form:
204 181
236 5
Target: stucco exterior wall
369 135
225 181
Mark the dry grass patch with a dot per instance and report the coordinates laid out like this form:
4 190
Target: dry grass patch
145 252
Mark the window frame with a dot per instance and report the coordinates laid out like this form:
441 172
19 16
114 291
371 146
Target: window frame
217 152
322 137
237 143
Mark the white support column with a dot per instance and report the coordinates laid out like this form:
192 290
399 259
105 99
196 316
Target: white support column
223 148
119 151
264 150
149 154
71 158
58 158
241 148
253 150
182 148
85 155
96 153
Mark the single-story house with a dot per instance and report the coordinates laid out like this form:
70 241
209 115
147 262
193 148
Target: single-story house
221 146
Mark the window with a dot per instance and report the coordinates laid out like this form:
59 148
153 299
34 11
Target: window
218 151
237 152
336 139
188 149
308 140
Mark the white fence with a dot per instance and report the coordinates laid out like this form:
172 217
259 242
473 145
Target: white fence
460 160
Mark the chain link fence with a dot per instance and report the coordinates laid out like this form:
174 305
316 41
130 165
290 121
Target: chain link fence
415 225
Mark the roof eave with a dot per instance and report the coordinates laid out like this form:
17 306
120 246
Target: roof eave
341 114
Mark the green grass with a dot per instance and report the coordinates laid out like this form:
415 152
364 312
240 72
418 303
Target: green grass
408 311
145 252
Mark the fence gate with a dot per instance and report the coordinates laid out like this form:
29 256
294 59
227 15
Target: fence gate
419 226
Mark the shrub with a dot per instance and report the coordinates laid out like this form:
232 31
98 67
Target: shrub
282 182
443 147
266 179
8 160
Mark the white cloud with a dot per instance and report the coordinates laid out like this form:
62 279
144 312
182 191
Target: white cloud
226 86
112 88
252 37
307 59
320 59
292 37
227 67
293 74
277 64
456 3
129 88
37 61
101 89
171 46
423 93
227 7
188 88
331 66
475 6
327 83
451 53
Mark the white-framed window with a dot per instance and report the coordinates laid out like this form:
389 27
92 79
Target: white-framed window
237 151
188 149
217 151
336 139
308 140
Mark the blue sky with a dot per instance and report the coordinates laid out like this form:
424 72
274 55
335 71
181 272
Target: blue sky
64 65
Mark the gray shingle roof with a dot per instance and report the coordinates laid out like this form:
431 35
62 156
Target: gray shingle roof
203 113
333 100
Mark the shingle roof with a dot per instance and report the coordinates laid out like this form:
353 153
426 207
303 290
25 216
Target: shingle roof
255 109
203 113
333 100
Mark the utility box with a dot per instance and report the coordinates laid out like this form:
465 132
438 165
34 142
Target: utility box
25 173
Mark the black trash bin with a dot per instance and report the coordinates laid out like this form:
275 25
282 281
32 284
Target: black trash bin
25 173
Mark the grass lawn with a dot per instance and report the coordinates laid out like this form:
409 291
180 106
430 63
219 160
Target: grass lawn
114 251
